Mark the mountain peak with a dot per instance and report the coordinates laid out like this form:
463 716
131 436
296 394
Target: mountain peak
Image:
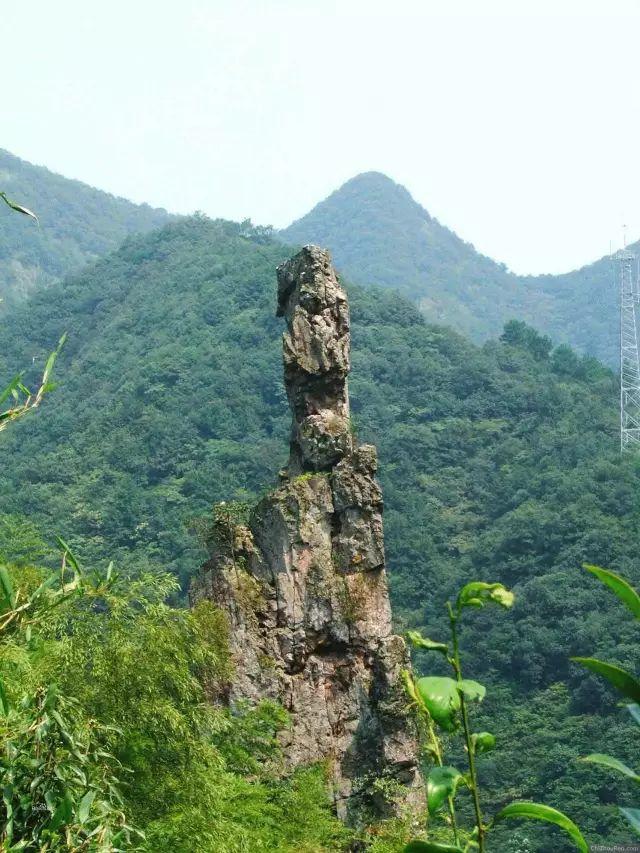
373 189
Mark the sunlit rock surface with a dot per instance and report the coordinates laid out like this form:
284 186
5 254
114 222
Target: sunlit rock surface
304 584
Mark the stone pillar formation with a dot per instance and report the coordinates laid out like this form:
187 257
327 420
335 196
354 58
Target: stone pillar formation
304 583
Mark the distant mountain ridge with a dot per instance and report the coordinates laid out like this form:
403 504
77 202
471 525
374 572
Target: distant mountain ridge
77 225
378 234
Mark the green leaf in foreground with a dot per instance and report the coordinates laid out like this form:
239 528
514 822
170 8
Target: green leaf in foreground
18 207
430 847
441 697
625 592
617 676
441 784
473 690
612 763
536 811
483 742
6 587
476 593
633 816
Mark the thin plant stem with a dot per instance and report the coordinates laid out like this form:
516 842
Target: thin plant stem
473 776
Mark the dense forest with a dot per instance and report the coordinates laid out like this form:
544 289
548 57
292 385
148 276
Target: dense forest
498 462
380 235
77 224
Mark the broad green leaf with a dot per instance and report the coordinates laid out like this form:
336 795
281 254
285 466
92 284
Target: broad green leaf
612 763
473 690
483 742
416 639
6 587
441 784
441 699
476 593
63 812
430 847
625 592
537 811
85 806
620 679
634 710
633 816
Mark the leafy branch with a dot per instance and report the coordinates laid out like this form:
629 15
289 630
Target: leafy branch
24 400
623 681
445 702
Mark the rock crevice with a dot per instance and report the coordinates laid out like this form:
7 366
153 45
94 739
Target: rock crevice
304 584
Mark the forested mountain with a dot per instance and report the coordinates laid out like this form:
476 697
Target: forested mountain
379 235
77 224
498 462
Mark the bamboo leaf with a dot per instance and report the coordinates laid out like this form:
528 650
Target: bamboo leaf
620 678
4 700
625 592
10 387
68 553
63 812
633 816
7 587
430 847
85 806
18 207
612 763
537 811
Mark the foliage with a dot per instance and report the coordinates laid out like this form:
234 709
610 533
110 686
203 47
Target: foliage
77 224
24 400
105 726
445 702
622 680
494 463
60 788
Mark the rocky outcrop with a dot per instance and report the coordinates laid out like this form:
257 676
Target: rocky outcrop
304 581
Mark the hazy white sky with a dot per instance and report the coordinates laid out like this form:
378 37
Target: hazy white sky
515 123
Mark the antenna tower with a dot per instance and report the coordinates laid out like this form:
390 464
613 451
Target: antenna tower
629 360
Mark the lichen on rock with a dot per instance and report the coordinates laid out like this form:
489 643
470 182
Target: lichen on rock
305 584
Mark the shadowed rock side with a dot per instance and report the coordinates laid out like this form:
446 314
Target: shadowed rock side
304 583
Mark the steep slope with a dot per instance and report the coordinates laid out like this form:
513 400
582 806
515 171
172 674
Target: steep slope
497 462
77 224
380 235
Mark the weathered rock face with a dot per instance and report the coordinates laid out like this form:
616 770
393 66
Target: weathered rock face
304 583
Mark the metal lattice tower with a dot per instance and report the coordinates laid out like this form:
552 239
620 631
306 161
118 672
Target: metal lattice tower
629 359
